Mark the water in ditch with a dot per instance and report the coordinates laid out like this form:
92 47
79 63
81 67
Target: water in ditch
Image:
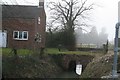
68 74
74 73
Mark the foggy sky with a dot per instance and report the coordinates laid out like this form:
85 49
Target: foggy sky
104 16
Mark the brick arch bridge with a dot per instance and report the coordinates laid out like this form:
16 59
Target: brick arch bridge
65 60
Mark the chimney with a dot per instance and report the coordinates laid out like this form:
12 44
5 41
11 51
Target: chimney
41 4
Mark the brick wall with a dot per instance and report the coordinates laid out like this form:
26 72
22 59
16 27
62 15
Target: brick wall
21 22
42 27
19 25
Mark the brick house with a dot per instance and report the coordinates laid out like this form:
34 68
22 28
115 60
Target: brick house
24 26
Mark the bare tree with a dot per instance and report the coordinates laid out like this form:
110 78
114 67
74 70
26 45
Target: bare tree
67 13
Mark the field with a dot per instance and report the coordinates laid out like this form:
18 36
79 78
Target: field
8 52
56 51
24 52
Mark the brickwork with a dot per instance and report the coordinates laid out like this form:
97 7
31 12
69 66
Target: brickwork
19 25
17 22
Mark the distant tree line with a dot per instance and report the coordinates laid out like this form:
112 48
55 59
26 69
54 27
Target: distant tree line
92 37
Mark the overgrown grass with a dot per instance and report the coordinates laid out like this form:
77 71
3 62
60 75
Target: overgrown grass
28 67
100 66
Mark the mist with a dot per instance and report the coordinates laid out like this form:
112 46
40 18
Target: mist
92 37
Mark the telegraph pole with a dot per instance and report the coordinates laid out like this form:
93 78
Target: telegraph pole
114 71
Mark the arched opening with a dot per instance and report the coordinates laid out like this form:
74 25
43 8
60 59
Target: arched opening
72 66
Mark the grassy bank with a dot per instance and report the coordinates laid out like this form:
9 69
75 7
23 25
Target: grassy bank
29 67
28 64
100 66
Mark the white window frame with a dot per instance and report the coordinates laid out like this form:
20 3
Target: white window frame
19 35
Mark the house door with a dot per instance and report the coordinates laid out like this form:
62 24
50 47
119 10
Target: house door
3 39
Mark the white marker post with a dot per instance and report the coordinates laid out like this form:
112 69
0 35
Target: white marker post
79 69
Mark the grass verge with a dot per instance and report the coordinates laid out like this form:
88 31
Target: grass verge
29 67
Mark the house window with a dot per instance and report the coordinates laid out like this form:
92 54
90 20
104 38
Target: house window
20 35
